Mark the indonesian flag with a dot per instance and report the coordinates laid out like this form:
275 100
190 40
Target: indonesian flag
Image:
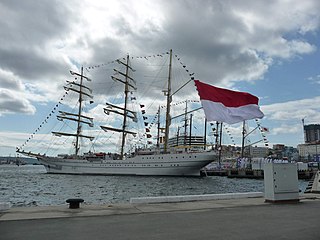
227 106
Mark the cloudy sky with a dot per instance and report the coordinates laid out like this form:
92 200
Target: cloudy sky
268 48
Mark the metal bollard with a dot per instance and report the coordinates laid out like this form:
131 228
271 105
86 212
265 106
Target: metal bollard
74 202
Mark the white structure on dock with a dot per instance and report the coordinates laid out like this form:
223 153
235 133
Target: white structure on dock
281 182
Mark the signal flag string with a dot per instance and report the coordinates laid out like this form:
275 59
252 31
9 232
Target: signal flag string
46 119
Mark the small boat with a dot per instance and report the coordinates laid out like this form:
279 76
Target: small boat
158 161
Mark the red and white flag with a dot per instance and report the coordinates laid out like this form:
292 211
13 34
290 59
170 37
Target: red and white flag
227 106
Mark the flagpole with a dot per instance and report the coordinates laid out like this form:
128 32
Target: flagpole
185 126
205 134
190 130
243 137
217 135
220 144
304 135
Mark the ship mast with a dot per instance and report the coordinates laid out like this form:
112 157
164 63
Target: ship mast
126 90
79 114
124 111
169 100
82 90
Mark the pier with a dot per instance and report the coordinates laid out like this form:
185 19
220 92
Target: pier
241 218
250 173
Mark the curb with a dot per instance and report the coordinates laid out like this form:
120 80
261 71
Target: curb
188 198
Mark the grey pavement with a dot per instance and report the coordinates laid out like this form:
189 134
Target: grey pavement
249 218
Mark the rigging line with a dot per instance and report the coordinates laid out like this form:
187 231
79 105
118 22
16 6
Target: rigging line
44 122
229 134
107 139
99 65
118 59
156 77
53 143
191 75
187 113
42 139
182 87
136 108
155 100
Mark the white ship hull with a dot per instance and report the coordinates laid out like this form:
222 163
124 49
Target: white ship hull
182 164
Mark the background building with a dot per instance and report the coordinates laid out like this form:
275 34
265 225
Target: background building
310 150
255 152
311 133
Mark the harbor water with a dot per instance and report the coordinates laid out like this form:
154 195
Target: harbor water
30 185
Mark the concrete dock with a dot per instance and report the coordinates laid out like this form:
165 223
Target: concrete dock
244 218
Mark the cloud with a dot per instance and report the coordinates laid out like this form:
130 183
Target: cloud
12 95
293 110
286 129
11 103
11 139
18 96
314 79
34 23
228 43
9 81
27 53
29 28
285 119
222 42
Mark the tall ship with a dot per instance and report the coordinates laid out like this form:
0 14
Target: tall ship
158 160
